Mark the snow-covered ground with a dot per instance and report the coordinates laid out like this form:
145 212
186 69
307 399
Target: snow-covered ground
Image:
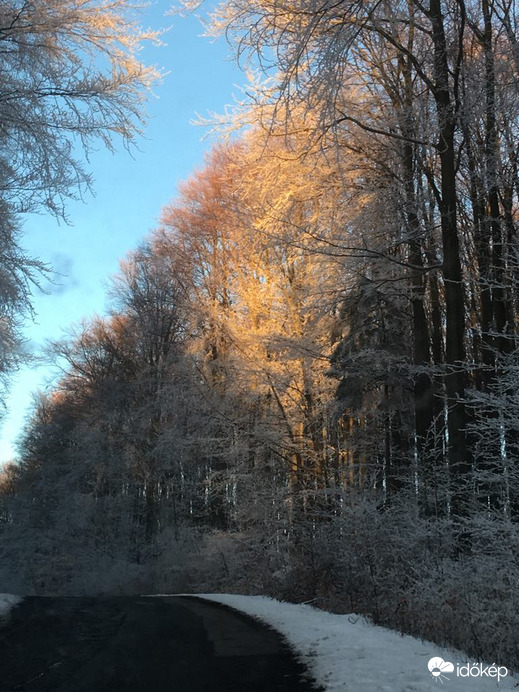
344 652
7 601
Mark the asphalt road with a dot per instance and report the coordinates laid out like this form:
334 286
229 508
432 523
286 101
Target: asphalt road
159 644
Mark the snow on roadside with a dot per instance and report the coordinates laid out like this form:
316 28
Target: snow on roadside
7 601
345 652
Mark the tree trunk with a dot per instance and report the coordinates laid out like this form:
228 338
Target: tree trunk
459 462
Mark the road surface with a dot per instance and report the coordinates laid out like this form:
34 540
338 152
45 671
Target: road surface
159 644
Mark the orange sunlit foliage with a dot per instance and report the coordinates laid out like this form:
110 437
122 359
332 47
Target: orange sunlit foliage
244 232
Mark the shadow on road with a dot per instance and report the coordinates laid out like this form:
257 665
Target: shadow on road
159 644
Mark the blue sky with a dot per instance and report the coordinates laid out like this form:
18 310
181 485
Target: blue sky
129 195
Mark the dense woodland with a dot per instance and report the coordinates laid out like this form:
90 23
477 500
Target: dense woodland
308 382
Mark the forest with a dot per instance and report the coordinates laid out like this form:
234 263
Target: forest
307 384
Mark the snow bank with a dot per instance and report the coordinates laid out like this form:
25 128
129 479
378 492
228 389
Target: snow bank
7 601
344 652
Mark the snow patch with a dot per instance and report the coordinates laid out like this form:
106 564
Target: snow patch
7 601
345 652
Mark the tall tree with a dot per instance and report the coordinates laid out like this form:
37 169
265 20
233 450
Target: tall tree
372 68
71 78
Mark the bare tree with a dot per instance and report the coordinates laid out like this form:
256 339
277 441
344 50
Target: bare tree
71 78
